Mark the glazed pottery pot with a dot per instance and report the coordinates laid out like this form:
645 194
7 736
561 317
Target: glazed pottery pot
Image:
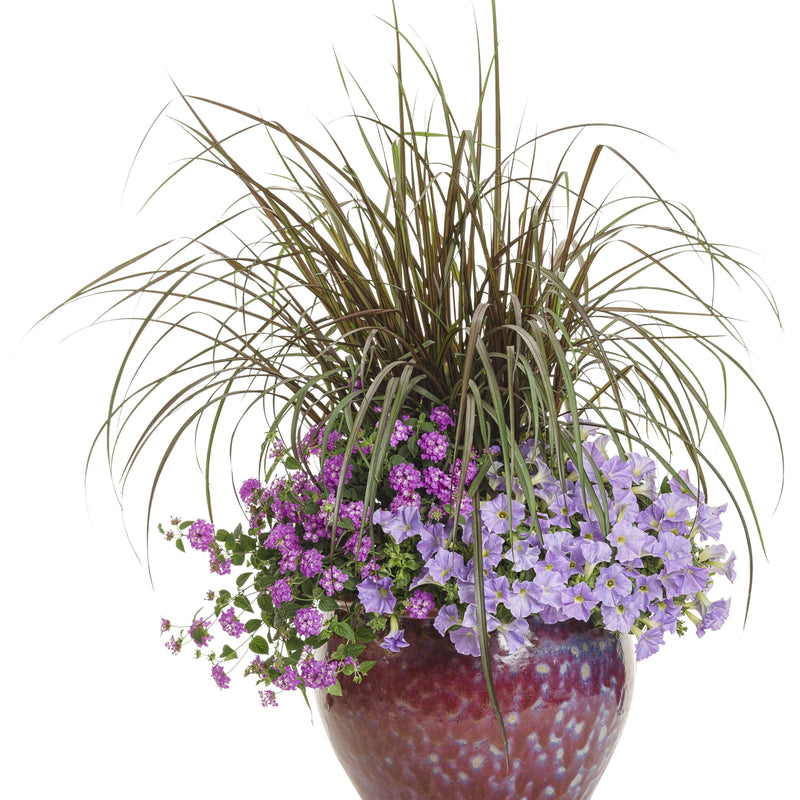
420 724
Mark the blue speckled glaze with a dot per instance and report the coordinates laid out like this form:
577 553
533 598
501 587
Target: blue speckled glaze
420 725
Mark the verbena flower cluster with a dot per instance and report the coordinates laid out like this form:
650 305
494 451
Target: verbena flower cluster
608 546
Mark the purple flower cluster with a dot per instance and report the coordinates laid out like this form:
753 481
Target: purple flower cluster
248 489
433 445
219 676
588 538
318 674
420 605
200 535
198 633
280 592
230 624
613 551
308 621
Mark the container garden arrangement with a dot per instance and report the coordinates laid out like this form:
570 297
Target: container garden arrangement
485 391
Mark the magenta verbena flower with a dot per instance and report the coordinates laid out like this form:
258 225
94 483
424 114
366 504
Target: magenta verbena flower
332 580
420 605
405 478
310 563
401 432
218 674
289 680
332 470
318 674
200 534
199 634
218 564
358 546
433 445
308 621
230 624
267 698
442 417
280 592
248 489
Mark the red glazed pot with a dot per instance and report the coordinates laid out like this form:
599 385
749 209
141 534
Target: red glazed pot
420 726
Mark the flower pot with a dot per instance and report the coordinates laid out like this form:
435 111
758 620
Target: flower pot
420 724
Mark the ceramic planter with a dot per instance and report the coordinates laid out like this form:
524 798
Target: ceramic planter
420 725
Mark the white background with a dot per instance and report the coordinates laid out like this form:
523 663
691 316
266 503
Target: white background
92 703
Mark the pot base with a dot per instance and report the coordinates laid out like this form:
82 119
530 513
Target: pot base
420 726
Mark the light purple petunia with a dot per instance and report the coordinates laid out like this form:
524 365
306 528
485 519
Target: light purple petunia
628 541
376 595
446 618
524 599
612 584
502 514
523 554
514 634
649 642
403 524
578 601
394 641
446 565
621 616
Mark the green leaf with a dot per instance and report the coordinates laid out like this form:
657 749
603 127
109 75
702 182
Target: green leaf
353 650
265 603
252 625
179 545
344 630
263 581
364 635
228 653
258 644
241 580
328 604
335 689
198 634
240 601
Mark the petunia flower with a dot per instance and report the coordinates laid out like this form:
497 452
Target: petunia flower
376 595
578 601
394 641
502 514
